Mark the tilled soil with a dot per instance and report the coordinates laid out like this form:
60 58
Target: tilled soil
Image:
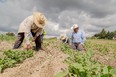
45 63
106 59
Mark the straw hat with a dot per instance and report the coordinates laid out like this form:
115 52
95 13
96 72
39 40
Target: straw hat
63 36
39 19
74 26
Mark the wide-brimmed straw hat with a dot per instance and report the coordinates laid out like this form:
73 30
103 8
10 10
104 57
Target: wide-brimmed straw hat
39 19
74 26
63 36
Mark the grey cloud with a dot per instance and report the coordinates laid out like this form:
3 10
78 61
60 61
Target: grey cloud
96 8
90 15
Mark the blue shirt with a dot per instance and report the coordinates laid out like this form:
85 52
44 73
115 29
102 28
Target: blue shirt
78 37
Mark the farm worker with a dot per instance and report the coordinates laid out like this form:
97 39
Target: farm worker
78 38
33 24
64 38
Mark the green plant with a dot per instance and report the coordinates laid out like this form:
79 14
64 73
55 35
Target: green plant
6 37
13 57
82 65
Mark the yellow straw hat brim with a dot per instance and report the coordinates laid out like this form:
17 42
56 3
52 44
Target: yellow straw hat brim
39 19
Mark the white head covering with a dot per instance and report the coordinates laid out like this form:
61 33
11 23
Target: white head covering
63 36
74 26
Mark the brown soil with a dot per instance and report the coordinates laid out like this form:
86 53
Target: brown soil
106 59
43 64
47 62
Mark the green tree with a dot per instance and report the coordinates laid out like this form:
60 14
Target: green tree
112 35
105 34
115 33
108 35
102 34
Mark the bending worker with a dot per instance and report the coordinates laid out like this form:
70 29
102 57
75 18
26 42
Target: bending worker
64 38
33 24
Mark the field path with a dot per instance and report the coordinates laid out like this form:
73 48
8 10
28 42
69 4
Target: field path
43 64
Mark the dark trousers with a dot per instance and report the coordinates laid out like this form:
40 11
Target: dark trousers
38 40
66 41
79 46
76 45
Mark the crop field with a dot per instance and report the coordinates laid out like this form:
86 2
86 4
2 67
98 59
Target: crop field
58 60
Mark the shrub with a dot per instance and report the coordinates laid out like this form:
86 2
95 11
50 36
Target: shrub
10 34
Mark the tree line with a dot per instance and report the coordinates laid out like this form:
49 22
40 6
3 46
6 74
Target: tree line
105 34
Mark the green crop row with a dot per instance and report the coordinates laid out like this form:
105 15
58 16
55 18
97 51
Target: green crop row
6 38
82 65
103 46
12 57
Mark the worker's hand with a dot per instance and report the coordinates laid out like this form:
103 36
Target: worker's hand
28 46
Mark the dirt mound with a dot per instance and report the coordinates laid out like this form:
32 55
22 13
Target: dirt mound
106 59
38 66
43 64
5 45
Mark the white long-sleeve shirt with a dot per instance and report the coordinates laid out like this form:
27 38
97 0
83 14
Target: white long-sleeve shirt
26 26
78 37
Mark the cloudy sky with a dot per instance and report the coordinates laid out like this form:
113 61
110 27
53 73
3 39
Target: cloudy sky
90 15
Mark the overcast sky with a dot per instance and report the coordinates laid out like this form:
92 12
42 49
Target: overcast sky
90 15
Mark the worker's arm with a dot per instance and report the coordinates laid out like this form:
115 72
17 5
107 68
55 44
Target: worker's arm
83 38
27 37
72 38
38 33
27 25
66 40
